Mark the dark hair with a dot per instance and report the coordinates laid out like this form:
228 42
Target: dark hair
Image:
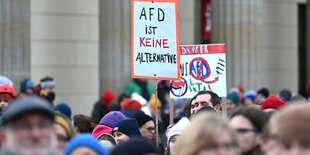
215 99
264 92
83 123
122 97
206 109
257 117
47 78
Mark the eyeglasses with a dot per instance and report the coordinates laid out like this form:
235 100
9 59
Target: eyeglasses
28 126
150 129
244 130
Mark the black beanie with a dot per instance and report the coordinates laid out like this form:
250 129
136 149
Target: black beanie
142 118
264 92
136 146
129 127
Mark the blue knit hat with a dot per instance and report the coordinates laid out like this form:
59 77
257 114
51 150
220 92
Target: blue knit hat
64 109
85 140
26 84
251 94
129 127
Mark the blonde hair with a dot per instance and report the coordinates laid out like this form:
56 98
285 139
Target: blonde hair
202 132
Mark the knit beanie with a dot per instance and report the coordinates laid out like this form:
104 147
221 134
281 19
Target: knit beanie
107 96
64 122
26 84
5 80
112 118
101 129
136 146
129 127
234 97
142 118
131 104
251 94
153 103
264 92
178 128
85 140
286 95
273 102
130 113
64 109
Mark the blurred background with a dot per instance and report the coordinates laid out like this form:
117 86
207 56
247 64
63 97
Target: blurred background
85 44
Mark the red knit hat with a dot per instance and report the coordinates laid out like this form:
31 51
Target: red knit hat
131 104
107 96
273 102
100 129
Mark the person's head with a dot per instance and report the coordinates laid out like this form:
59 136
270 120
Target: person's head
249 97
136 146
101 129
63 129
107 139
249 124
291 131
233 100
272 103
85 144
112 118
5 80
82 124
208 134
146 125
107 97
7 94
126 129
285 95
130 104
122 97
65 109
205 98
175 133
47 86
27 86
28 127
262 95
268 142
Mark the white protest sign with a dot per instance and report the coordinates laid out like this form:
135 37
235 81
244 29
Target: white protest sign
203 67
155 39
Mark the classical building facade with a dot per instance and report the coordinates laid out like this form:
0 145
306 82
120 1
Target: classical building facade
85 44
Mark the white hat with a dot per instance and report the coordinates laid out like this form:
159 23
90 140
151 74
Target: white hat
178 128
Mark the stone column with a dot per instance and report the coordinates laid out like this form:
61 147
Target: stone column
115 43
237 23
15 39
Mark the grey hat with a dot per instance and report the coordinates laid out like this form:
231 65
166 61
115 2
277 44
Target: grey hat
27 105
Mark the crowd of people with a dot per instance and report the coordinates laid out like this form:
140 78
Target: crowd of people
258 123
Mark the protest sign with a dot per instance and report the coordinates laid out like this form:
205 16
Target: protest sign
203 67
155 39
